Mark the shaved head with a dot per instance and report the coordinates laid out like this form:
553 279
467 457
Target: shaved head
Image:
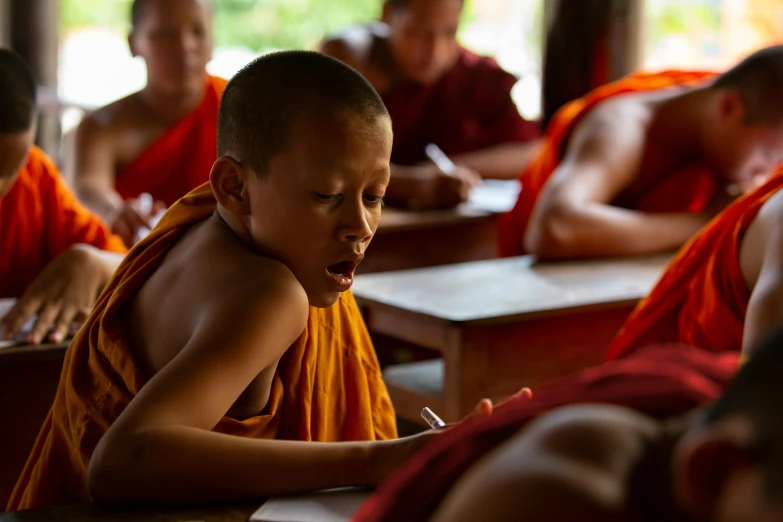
261 102
139 7
759 79
17 94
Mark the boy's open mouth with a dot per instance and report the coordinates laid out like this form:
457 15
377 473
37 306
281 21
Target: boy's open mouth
341 273
342 269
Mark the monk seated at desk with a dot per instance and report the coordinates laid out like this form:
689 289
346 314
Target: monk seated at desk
160 140
645 457
640 165
226 356
437 92
55 255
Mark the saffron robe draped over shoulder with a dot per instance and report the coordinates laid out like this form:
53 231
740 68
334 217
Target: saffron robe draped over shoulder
327 386
470 108
702 297
179 160
686 191
40 218
661 381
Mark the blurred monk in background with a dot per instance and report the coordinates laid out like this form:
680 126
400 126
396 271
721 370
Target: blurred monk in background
55 255
438 92
640 165
160 140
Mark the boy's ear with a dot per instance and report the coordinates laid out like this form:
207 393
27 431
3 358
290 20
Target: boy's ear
227 179
732 107
386 13
709 464
132 45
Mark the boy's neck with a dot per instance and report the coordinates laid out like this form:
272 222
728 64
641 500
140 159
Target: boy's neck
167 107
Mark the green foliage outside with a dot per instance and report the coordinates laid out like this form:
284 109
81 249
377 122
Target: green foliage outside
254 24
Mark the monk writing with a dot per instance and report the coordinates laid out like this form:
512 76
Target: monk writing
226 358
437 92
55 255
641 165
605 463
160 140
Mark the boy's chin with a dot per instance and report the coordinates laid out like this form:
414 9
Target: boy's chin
323 299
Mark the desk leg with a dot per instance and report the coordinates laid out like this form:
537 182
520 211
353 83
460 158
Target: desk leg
467 368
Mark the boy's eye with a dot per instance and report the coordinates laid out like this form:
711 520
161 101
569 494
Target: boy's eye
328 198
375 200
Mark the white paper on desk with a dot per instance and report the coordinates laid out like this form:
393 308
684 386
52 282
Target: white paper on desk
21 336
495 195
329 505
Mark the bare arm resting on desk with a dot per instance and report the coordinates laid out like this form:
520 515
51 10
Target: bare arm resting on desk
504 161
573 216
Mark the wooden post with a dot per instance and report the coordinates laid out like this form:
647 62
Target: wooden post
5 23
34 30
588 43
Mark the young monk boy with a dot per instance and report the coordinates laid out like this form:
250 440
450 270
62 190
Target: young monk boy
55 255
602 463
160 140
226 359
438 92
639 166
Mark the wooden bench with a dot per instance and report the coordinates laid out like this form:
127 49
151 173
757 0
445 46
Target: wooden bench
29 376
413 239
498 325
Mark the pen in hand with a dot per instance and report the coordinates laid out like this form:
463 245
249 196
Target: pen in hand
433 420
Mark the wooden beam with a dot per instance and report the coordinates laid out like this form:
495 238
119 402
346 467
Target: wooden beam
34 35
588 43
5 23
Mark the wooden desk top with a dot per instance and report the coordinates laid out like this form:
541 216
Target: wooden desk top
500 290
396 220
487 200
90 513
30 353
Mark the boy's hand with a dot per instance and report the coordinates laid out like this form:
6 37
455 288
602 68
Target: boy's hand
437 189
391 454
63 293
133 217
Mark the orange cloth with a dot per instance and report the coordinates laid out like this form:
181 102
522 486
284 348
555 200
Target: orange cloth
327 386
180 159
40 219
686 191
702 296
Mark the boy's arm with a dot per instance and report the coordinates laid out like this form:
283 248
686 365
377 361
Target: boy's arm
765 306
503 161
161 448
573 216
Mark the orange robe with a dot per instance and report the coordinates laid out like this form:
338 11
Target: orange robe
702 297
180 159
39 220
327 386
686 191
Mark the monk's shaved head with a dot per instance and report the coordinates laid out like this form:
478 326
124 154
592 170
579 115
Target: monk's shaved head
757 394
398 4
139 7
17 94
261 101
759 79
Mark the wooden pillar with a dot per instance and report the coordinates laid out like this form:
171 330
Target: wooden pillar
34 35
5 23
588 43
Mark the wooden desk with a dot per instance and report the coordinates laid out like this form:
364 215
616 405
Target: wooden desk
407 239
28 382
498 325
90 513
